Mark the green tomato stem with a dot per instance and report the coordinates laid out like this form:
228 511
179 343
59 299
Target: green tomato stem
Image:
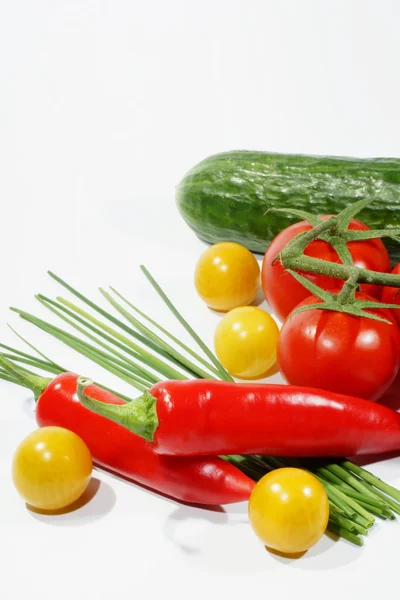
292 257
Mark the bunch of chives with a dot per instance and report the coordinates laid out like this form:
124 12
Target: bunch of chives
139 356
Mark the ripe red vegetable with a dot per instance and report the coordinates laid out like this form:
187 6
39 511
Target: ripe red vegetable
340 352
391 295
283 293
201 480
217 417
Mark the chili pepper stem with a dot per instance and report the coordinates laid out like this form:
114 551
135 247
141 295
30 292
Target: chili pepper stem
35 383
139 415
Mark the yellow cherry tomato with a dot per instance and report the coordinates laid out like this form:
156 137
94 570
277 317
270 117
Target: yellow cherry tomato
245 342
51 468
289 510
227 276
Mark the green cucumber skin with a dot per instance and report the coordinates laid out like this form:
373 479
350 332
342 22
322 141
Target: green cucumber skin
225 197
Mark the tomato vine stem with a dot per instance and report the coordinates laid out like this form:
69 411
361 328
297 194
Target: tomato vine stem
334 230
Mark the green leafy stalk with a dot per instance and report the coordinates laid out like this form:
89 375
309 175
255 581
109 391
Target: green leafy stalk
176 341
347 523
7 376
142 339
36 362
341 498
117 339
182 360
34 348
113 365
247 465
353 507
146 358
382 513
86 349
372 479
27 356
389 502
362 498
224 373
343 533
354 482
121 359
58 308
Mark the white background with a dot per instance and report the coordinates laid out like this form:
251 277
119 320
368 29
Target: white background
103 108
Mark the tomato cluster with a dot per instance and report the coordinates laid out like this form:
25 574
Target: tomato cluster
328 349
283 293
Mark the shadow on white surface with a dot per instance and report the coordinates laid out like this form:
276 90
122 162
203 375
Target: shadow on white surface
329 553
141 486
191 517
191 531
97 501
236 508
28 406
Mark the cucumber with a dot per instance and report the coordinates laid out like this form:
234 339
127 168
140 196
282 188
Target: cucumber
225 197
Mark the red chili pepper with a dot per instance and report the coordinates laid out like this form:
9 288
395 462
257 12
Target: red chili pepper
199 480
214 417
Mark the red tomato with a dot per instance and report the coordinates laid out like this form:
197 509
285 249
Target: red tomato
389 295
283 292
339 352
